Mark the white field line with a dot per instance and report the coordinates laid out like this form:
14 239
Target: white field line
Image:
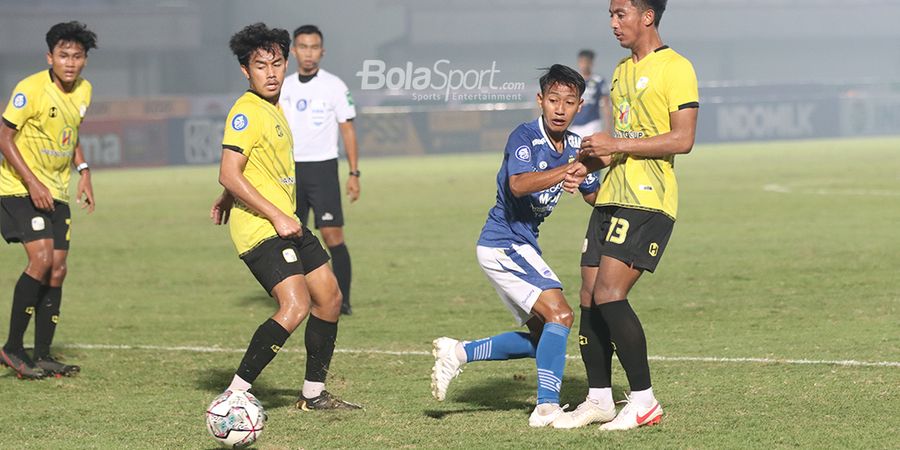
781 189
709 359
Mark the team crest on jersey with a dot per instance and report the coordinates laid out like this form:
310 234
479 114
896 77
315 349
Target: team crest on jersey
53 112
302 104
642 82
279 131
82 110
19 100
523 153
239 122
67 138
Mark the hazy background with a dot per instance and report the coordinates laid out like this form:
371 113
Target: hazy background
180 47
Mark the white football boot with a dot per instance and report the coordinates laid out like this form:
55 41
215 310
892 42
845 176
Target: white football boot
446 366
634 415
586 413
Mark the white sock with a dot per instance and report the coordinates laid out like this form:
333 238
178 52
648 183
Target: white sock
644 398
461 353
312 389
601 396
238 384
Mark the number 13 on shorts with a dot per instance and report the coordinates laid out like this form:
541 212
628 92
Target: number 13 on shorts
618 231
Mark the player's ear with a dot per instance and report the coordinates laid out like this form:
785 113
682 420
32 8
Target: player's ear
245 71
540 99
648 17
580 104
49 58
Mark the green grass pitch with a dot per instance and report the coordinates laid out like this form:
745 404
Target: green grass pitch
782 251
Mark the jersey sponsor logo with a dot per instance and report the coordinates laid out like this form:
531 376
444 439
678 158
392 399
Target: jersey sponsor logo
288 180
523 154
67 138
302 104
540 141
279 131
623 119
239 122
19 100
574 140
645 187
289 255
53 112
642 82
38 224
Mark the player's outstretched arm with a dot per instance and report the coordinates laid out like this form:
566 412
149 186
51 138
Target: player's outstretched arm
85 187
231 177
348 135
530 182
40 195
678 141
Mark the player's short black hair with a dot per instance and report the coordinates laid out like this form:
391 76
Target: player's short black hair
73 31
259 37
658 7
309 29
589 54
561 74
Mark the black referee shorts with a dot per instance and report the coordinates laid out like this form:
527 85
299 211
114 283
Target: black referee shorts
319 188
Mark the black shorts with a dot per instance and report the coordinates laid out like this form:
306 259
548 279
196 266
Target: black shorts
275 259
633 236
21 222
319 187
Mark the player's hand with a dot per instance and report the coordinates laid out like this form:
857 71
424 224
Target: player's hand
353 188
86 190
597 145
221 209
40 196
575 175
287 227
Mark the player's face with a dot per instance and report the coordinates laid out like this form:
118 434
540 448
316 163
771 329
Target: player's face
627 21
559 104
585 65
265 70
309 51
67 60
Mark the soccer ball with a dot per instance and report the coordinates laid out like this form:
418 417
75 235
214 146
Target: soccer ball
235 419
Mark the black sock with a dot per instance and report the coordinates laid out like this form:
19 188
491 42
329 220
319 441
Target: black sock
320 337
45 320
25 296
340 264
596 350
627 334
266 343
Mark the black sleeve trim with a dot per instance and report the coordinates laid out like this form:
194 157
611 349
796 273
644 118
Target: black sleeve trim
689 105
10 124
234 148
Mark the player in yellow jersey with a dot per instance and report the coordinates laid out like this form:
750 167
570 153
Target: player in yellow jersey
39 142
257 171
655 103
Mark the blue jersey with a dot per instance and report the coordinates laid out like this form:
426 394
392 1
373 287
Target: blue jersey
516 220
594 90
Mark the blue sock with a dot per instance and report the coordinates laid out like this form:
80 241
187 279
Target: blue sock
500 347
551 362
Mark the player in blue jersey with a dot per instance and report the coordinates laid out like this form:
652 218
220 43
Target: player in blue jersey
596 111
539 155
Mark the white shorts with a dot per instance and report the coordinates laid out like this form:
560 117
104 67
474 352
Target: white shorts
587 129
519 275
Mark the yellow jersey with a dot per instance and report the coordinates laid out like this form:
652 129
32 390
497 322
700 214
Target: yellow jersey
47 120
259 130
643 94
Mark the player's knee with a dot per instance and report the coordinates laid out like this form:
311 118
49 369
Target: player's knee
563 316
58 274
333 238
586 295
604 293
41 263
292 313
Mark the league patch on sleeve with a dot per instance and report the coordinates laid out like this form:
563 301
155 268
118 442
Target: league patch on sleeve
523 154
239 122
20 100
